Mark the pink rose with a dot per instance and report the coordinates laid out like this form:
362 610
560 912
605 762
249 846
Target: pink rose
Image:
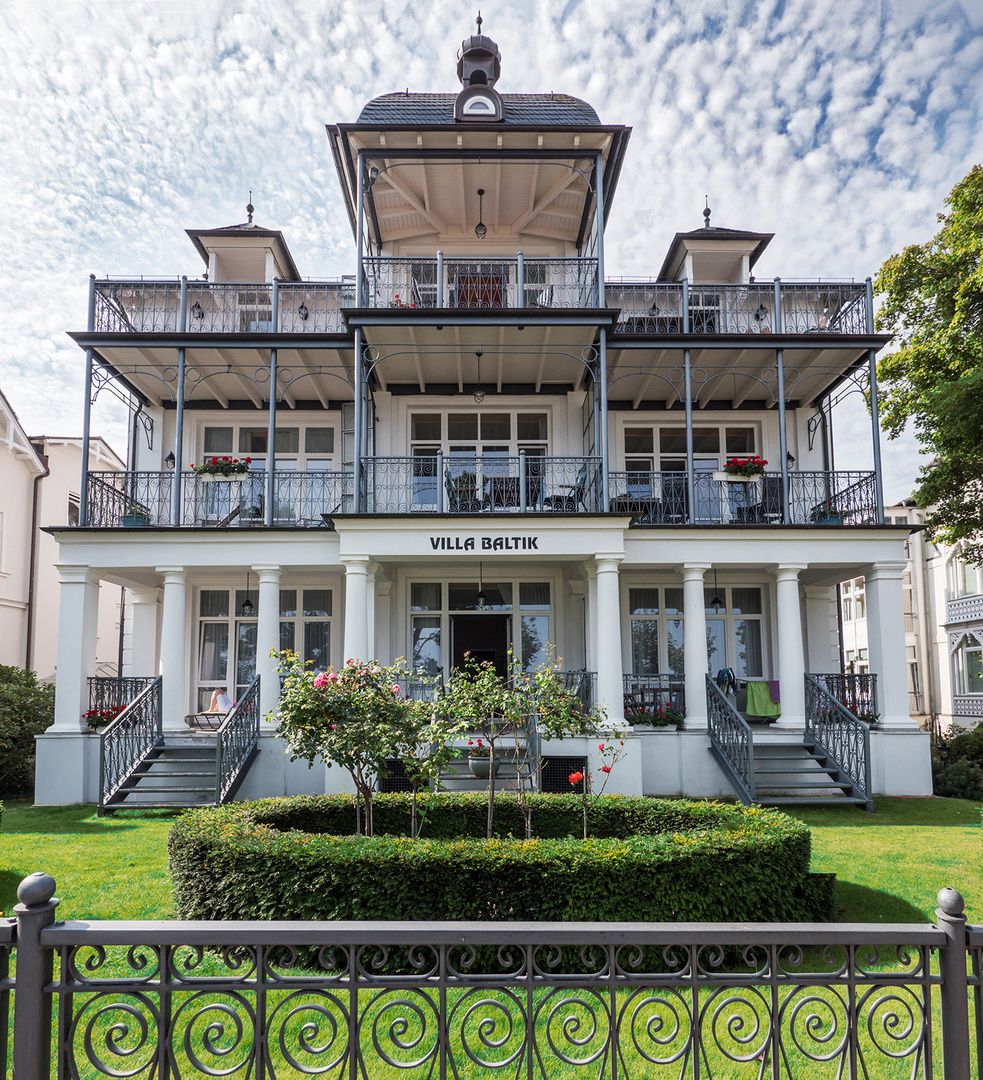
332 677
321 680
395 688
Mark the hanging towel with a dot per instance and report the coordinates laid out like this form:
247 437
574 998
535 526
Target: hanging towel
727 680
760 702
776 695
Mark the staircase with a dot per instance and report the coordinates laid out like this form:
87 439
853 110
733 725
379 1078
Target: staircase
828 765
142 768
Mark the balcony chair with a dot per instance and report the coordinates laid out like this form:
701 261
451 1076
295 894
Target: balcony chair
766 512
462 494
577 495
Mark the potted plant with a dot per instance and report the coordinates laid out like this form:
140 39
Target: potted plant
663 716
826 513
99 718
479 759
743 468
222 468
136 515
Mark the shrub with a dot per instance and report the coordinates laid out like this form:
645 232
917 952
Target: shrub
966 746
27 708
960 779
648 860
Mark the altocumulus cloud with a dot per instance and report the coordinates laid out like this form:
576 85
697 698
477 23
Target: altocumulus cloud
838 126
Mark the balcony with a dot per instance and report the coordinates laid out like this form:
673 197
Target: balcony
665 310
815 498
154 307
139 499
479 283
964 609
488 484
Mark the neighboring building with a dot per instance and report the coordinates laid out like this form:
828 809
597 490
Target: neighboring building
479 441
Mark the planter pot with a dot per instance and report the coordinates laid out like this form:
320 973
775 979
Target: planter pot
136 519
830 519
217 478
481 767
733 478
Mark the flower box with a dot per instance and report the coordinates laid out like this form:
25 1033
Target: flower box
136 517
735 478
220 478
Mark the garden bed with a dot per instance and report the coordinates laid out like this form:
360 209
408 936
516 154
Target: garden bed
646 860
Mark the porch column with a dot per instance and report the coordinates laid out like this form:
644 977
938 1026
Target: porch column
791 655
886 644
607 630
372 646
173 646
590 627
141 658
822 651
78 615
695 644
383 602
356 598
268 637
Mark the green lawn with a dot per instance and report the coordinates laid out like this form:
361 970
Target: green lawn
889 864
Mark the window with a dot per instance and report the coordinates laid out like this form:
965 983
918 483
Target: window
967 662
967 579
74 509
310 447
711 447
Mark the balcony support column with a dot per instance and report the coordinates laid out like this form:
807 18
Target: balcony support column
440 279
886 643
176 492
603 347
357 434
356 598
607 627
371 650
173 646
271 430
695 644
688 390
590 624
359 233
268 637
875 433
78 617
140 659
791 653
87 409
782 436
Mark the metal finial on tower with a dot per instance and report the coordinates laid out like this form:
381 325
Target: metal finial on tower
479 22
249 209
706 213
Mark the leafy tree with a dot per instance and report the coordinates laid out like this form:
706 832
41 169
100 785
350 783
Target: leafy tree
27 708
933 304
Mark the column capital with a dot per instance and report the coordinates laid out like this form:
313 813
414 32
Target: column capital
139 594
693 571
886 571
356 564
76 575
789 571
606 561
268 574
172 573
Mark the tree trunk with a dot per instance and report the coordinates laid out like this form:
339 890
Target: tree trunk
491 786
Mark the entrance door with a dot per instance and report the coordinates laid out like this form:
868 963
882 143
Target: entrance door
485 637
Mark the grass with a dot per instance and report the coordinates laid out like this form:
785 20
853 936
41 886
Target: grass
889 864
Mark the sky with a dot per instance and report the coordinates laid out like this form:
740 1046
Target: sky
839 126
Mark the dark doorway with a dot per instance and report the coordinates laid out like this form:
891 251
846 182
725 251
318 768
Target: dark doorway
485 637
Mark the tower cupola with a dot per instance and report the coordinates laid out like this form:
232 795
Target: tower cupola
479 63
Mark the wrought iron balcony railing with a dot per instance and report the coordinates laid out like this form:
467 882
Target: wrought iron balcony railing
479 283
486 484
154 307
655 309
815 498
146 498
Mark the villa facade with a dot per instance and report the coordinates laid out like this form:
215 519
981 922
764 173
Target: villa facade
481 441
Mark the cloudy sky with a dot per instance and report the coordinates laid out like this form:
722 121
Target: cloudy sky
840 126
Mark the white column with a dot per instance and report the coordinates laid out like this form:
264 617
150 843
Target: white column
607 631
384 618
78 615
886 644
173 647
590 630
356 598
822 644
268 637
695 644
372 646
140 659
791 655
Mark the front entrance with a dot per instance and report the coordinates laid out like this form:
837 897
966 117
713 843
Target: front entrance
484 637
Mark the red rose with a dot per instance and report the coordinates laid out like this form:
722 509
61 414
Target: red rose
605 768
576 777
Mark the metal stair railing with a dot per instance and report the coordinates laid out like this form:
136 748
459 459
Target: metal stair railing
731 742
841 737
235 742
126 742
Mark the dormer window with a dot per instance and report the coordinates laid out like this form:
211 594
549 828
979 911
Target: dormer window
478 102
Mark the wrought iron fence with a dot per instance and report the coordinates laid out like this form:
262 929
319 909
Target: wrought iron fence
107 694
647 695
138 307
843 738
488 283
832 498
856 692
127 740
609 1000
128 498
490 483
304 498
235 742
731 742
311 308
654 309
652 498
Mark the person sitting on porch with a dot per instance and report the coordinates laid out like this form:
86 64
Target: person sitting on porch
220 702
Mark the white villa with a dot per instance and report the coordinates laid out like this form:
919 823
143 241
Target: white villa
481 440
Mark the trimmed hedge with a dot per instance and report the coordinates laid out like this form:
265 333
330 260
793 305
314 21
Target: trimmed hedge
27 708
648 860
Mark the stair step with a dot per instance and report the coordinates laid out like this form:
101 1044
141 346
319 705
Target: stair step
146 788
813 784
791 769
804 800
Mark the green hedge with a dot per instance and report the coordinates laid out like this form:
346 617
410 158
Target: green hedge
27 708
649 860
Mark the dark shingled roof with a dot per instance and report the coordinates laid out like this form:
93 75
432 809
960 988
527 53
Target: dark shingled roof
427 110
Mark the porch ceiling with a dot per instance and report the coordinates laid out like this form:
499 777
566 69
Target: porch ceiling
734 374
233 372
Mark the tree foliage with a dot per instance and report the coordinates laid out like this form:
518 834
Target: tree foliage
27 708
933 304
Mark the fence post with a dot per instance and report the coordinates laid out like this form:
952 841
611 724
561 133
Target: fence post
955 986
32 1008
